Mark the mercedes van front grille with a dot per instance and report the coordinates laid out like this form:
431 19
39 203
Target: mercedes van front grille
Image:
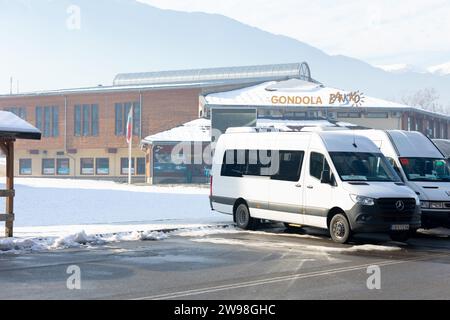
392 210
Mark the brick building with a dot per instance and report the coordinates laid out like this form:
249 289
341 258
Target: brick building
83 130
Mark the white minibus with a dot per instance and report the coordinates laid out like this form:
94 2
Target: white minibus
334 180
422 167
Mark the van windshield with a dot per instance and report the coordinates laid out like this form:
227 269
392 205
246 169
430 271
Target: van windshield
363 166
426 169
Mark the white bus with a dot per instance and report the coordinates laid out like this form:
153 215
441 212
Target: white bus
422 167
327 179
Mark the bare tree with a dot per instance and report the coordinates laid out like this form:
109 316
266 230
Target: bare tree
427 99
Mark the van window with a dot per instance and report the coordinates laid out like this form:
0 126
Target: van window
237 163
317 164
394 165
232 165
426 169
363 166
290 166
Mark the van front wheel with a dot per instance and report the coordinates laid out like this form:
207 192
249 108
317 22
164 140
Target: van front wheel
242 217
340 228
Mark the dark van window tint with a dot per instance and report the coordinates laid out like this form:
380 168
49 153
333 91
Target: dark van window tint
290 165
279 165
317 164
233 164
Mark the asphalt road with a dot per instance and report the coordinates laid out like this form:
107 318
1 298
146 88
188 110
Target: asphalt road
268 264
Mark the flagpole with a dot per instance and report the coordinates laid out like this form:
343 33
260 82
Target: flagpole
130 128
129 160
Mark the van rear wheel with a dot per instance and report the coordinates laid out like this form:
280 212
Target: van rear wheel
243 218
340 228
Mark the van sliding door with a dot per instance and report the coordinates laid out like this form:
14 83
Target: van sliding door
285 187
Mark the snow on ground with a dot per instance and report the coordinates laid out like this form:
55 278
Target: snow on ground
63 202
65 213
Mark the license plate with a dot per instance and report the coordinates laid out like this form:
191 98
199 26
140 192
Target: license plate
400 227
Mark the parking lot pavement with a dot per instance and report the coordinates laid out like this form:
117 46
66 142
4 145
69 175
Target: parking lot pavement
266 264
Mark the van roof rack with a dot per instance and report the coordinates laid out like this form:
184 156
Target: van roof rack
320 128
251 129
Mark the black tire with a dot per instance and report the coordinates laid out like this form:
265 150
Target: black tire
400 236
340 228
242 217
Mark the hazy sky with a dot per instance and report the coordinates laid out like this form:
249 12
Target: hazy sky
377 31
40 51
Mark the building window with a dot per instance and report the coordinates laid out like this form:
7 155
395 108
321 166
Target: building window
39 118
349 115
63 167
77 118
87 166
94 119
48 166
140 166
121 116
55 121
119 119
124 165
25 166
86 117
86 120
47 120
377 115
102 166
18 111
136 119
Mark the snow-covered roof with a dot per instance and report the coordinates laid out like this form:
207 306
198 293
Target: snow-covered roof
295 92
14 126
199 129
196 130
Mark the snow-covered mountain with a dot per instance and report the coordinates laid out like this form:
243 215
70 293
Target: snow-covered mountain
441 69
401 68
116 36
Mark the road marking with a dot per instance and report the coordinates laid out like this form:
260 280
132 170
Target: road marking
298 276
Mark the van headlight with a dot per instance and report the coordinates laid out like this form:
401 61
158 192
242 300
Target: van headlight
436 205
424 204
365 201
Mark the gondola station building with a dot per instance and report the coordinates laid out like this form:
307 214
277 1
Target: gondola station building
83 129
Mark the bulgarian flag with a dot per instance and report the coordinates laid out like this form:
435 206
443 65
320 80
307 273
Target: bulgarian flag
130 126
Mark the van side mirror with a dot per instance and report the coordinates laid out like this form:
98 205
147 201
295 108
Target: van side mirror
325 177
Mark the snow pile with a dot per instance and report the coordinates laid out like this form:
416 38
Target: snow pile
298 246
136 235
75 240
372 247
438 232
17 245
208 230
